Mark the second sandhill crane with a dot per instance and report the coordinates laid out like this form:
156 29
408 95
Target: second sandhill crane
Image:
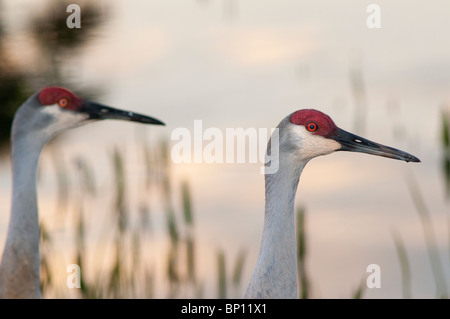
41 117
303 135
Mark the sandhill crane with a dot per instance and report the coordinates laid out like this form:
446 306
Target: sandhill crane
303 135
41 117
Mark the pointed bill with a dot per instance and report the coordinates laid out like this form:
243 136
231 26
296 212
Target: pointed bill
99 111
354 143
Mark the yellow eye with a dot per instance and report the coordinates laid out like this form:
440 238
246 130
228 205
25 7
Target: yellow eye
63 102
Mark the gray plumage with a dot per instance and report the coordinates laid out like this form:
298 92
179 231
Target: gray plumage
33 126
302 135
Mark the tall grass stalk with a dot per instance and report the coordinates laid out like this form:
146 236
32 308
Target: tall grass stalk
301 255
119 267
188 220
404 265
237 273
358 294
445 142
46 270
221 275
430 239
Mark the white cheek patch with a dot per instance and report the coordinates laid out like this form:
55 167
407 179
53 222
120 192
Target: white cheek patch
53 110
311 145
61 119
316 145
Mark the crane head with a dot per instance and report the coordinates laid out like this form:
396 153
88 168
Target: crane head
54 109
65 101
317 135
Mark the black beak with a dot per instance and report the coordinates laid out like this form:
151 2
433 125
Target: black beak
100 112
353 143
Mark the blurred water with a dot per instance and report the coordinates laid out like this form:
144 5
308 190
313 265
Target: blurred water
249 64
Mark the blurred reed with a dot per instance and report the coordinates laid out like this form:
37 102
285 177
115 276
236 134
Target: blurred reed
45 247
358 294
445 143
303 279
237 274
128 274
425 216
430 237
125 271
224 280
404 265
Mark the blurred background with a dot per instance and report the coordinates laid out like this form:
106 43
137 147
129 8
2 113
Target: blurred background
140 226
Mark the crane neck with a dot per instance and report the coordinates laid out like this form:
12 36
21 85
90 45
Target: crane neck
20 265
275 274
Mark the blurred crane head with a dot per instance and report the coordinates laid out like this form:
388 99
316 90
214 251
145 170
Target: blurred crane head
55 109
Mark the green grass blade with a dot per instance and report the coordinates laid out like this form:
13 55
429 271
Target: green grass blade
301 254
430 239
404 265
222 281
